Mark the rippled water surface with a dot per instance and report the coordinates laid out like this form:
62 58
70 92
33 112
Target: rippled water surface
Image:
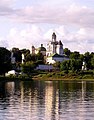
47 100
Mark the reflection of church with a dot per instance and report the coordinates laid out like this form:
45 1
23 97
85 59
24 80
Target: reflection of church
55 51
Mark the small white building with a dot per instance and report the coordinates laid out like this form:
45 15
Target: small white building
11 72
23 58
84 66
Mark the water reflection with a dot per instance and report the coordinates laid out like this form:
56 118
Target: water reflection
47 100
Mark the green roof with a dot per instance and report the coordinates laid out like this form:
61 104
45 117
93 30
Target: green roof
57 55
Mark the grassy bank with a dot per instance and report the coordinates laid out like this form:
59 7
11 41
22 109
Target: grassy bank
63 76
56 75
15 78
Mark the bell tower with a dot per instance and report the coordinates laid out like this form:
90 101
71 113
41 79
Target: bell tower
54 37
60 48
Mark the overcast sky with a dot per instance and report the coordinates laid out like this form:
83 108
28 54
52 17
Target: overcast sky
24 23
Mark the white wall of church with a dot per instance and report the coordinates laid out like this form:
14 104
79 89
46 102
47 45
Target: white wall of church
49 60
52 60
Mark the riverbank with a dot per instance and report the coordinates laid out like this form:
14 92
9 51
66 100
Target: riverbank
45 75
15 78
57 75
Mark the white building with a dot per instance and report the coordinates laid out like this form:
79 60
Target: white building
56 58
84 66
55 51
12 72
23 58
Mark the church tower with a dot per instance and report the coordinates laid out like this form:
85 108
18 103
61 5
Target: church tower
60 48
55 52
54 37
54 46
54 43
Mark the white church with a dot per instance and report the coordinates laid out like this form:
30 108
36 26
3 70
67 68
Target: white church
55 51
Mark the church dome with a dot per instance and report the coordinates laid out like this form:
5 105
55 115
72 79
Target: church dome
42 48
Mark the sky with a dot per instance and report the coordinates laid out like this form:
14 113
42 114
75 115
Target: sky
24 23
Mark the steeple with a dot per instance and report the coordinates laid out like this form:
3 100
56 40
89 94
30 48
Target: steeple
54 37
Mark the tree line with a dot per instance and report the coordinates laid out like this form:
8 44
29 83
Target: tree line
76 60
74 63
30 60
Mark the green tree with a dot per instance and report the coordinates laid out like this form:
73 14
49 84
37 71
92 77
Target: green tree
75 65
40 57
17 54
65 65
92 62
87 59
75 55
56 65
5 61
28 67
31 57
81 57
25 51
67 52
28 57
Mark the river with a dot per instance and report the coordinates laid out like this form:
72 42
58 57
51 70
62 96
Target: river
47 100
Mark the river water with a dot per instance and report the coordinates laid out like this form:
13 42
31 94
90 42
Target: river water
47 100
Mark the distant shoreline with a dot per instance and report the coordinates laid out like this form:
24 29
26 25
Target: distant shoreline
51 76
52 79
10 79
63 79
63 76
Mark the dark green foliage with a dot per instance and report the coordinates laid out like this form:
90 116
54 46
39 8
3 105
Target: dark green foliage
87 59
57 65
39 62
67 52
75 55
92 62
38 58
65 65
28 67
17 54
74 65
25 51
29 57
5 61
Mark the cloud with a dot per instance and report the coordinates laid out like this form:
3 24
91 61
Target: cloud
79 18
6 3
25 38
80 40
6 7
71 15
3 43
